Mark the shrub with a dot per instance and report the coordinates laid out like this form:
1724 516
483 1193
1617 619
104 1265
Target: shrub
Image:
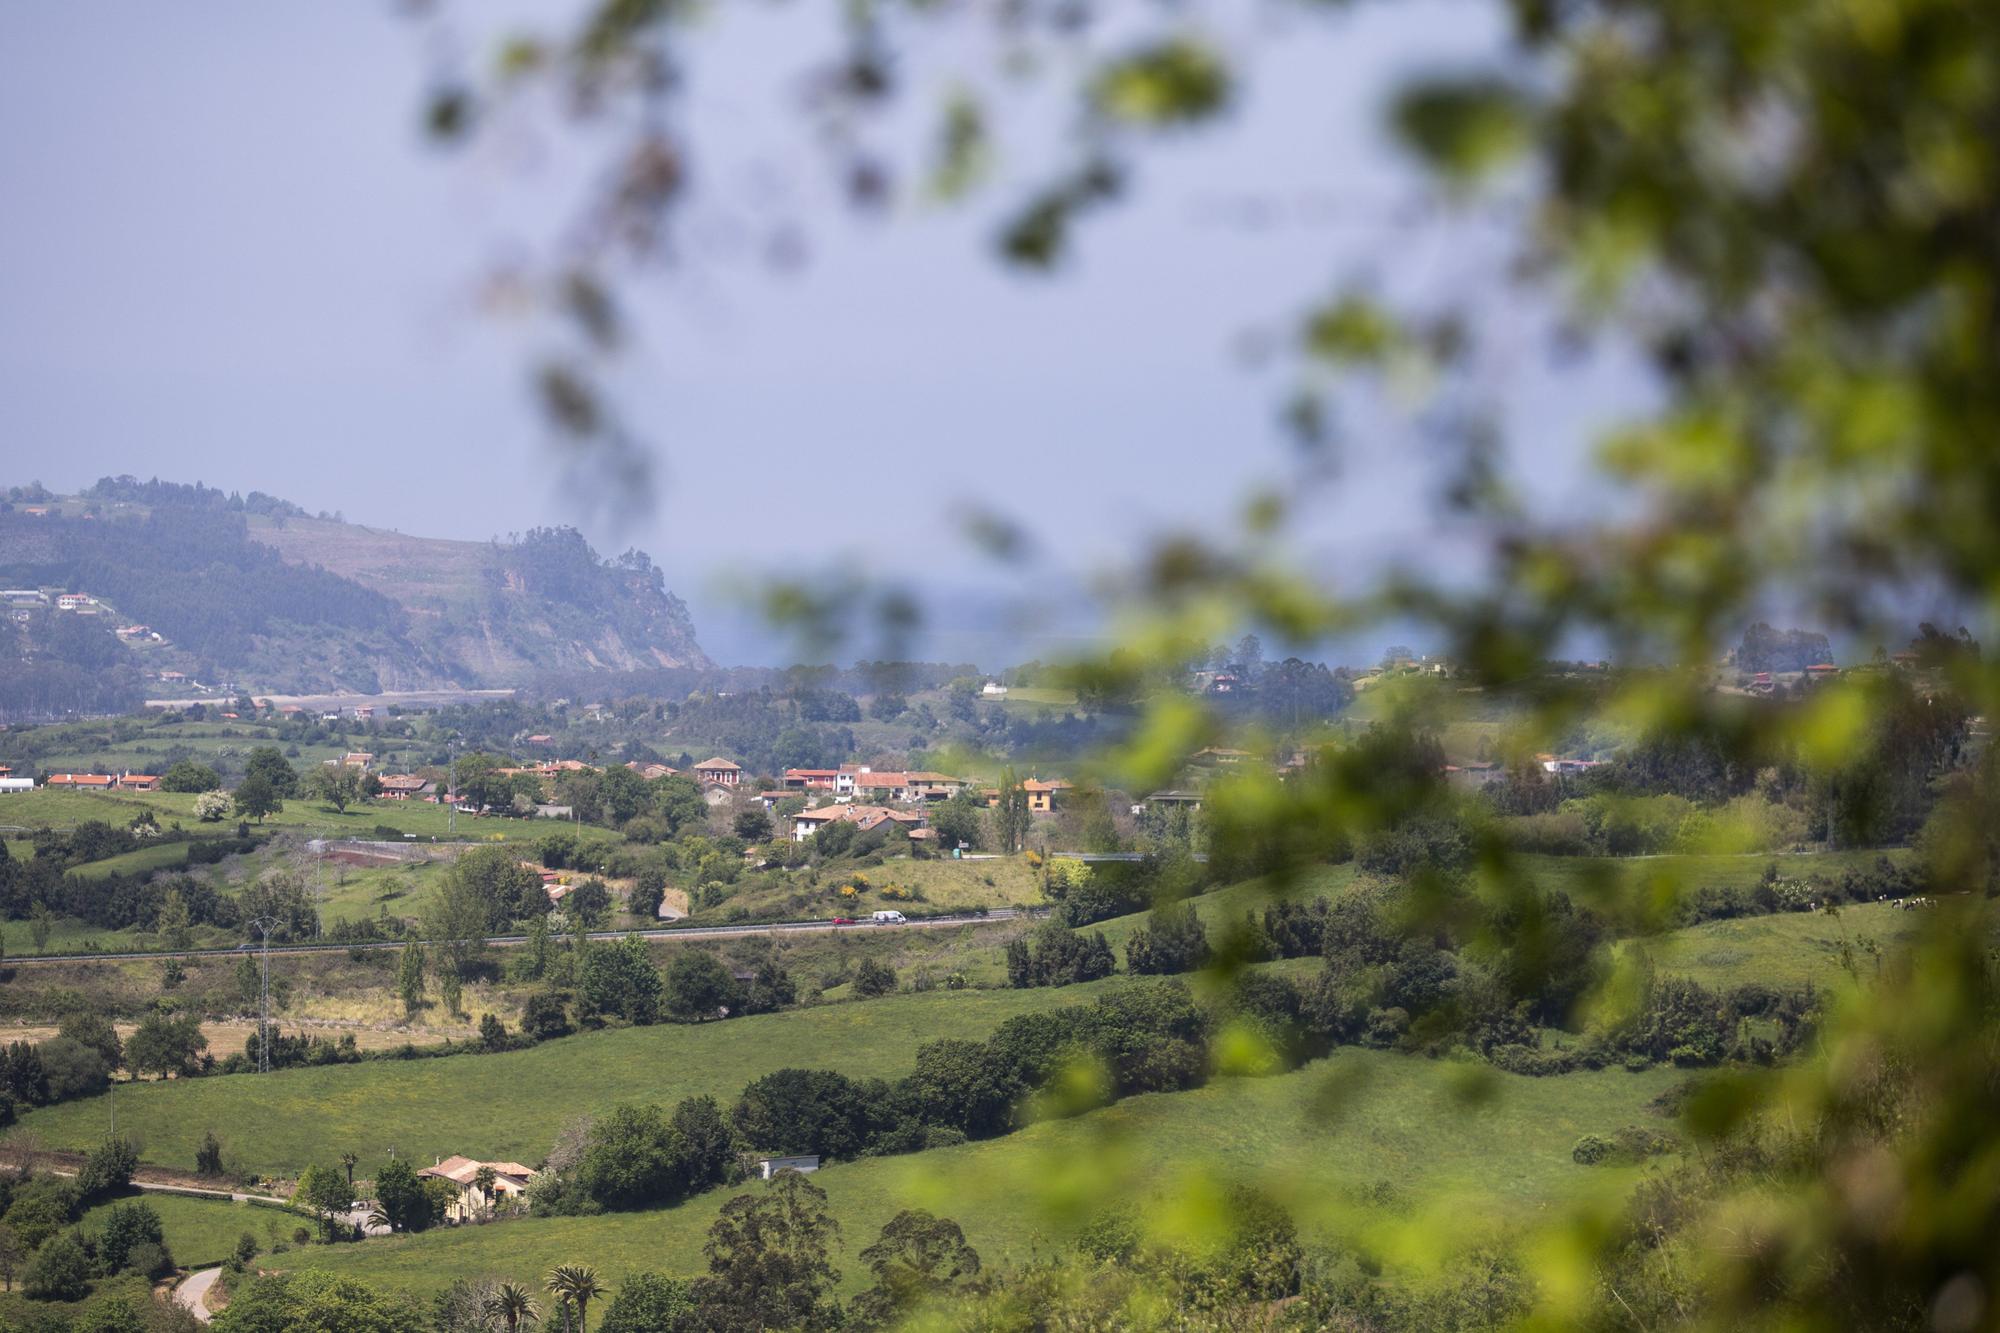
1625 1147
1296 929
545 1014
1590 1150
1171 941
1058 956
107 1169
874 978
127 1226
60 1271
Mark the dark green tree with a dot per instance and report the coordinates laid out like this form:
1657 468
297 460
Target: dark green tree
768 1259
917 1257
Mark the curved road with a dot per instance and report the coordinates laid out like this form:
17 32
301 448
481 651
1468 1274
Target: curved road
997 914
192 1294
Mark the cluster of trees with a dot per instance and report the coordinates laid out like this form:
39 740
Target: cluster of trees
56 665
1685 787
81 1058
37 891
637 1157
1054 955
1143 1039
1380 986
154 493
1765 649
41 1245
594 982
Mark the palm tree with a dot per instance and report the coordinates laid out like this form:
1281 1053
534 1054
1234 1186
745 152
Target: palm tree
513 1304
482 1180
348 1159
576 1284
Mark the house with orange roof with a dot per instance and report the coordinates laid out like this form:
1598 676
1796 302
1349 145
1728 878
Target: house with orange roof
864 817
1042 795
510 1183
81 781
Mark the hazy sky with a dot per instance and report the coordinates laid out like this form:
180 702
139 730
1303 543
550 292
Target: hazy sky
226 254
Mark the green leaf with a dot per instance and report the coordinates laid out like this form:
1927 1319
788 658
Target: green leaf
1177 82
1463 129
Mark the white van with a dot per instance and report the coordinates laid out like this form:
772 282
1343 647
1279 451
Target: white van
889 918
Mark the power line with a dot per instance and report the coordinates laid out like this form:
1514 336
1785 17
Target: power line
264 924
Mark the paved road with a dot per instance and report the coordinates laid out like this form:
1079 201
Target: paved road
192 1294
234 1196
825 926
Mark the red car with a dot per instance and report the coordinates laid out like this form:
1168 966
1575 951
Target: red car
843 921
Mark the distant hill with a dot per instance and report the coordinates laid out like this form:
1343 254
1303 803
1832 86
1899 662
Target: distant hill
255 590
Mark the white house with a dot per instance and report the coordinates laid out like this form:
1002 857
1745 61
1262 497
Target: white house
993 689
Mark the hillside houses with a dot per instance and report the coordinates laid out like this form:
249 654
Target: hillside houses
102 781
859 782
864 817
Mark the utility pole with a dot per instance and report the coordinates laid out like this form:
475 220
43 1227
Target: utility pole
451 799
264 924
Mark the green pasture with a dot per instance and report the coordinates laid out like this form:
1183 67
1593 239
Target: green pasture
510 1106
203 1232
1788 949
62 809
161 856
1406 1158
1656 882
940 885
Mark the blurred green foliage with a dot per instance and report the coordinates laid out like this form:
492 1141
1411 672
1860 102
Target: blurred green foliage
1788 207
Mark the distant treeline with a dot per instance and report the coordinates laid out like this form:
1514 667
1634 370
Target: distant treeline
180 495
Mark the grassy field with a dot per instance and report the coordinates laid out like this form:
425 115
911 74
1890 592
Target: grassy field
1786 950
61 809
162 856
940 886
363 892
1581 875
1379 1151
203 1232
224 743
510 1106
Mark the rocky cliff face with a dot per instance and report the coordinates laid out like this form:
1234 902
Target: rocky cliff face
499 613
